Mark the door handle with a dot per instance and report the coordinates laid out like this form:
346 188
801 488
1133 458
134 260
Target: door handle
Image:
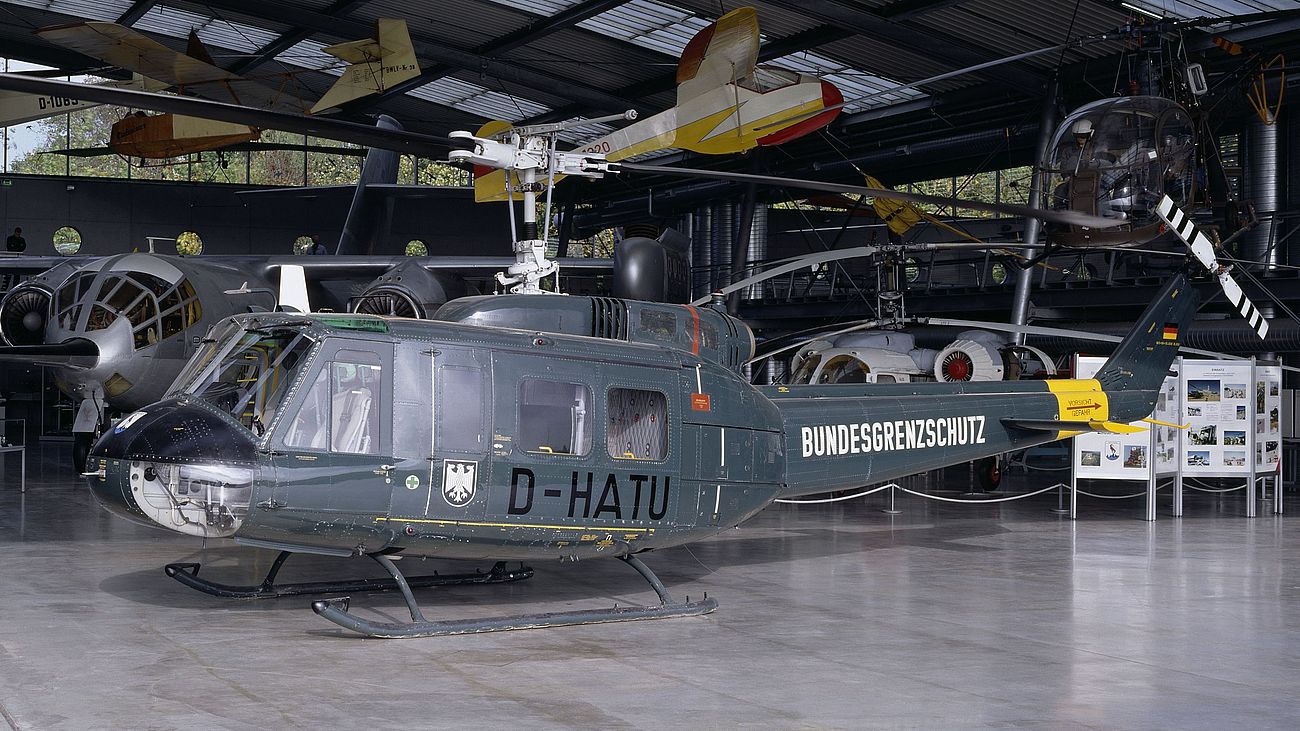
385 470
271 504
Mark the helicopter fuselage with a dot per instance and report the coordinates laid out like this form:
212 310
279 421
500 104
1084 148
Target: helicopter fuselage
348 435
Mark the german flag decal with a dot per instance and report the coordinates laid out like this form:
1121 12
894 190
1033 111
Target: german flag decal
1170 332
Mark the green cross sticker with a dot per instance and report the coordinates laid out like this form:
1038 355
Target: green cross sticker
412 482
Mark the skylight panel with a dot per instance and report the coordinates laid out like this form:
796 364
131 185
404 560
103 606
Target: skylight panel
1184 9
212 31
452 92
85 9
648 24
853 84
539 7
309 55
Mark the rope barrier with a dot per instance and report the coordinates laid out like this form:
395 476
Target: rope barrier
992 500
1212 489
835 499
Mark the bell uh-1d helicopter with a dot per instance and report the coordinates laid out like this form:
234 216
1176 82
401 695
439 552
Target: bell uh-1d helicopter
522 426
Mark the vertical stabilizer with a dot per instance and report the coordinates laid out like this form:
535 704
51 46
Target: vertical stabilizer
1143 357
365 222
375 65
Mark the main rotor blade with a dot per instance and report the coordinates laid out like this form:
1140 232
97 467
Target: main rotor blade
362 134
1069 218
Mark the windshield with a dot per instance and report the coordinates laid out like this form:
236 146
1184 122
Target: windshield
246 372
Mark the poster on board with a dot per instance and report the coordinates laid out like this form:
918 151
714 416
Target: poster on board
1217 408
1268 417
1127 456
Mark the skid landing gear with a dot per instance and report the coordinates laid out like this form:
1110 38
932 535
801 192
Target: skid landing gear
188 574
336 611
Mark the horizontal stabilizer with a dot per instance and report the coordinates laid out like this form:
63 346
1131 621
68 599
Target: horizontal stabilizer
1112 427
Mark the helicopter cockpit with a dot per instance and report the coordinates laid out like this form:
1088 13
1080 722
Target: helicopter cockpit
1116 157
246 372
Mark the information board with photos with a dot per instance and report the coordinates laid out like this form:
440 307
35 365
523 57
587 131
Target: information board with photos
1126 456
1219 400
1268 417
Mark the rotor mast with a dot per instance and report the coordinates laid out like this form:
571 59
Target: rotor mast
528 156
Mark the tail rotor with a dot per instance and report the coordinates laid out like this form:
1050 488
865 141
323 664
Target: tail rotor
1191 234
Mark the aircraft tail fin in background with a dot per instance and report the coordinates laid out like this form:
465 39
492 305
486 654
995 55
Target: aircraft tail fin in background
362 229
1142 359
374 65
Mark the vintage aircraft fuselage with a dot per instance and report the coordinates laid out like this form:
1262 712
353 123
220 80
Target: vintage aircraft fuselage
352 434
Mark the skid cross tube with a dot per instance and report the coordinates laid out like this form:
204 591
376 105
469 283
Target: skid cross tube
188 574
336 611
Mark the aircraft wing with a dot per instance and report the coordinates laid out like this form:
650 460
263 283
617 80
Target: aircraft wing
129 49
720 54
346 266
75 353
362 134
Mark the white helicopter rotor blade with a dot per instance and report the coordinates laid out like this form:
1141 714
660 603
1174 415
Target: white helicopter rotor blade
1196 240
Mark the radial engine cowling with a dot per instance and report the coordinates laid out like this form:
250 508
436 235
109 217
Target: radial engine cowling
409 290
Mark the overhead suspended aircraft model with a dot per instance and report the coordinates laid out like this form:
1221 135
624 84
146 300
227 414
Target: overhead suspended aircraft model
373 65
726 103
525 426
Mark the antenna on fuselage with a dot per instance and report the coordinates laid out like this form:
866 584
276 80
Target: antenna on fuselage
527 154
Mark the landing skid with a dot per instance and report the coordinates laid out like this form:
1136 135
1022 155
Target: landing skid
336 611
188 574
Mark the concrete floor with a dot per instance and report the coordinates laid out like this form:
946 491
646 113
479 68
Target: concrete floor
838 616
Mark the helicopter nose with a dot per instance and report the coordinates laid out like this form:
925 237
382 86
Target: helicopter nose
175 465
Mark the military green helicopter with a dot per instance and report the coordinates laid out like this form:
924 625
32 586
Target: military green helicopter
524 427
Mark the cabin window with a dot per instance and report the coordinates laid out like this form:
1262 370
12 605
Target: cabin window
460 408
844 369
638 424
554 417
340 410
803 373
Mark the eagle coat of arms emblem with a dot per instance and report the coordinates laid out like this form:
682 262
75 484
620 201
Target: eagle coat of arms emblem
459 481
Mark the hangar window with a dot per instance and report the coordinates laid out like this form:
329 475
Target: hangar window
67 240
554 417
302 245
188 243
416 247
638 424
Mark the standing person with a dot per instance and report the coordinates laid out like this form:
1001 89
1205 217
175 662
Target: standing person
16 243
316 246
84 428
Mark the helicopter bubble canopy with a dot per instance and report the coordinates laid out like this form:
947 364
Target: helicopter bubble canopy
1117 157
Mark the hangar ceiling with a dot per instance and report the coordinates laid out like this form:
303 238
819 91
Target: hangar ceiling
547 60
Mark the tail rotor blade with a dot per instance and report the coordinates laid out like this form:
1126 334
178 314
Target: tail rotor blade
1191 234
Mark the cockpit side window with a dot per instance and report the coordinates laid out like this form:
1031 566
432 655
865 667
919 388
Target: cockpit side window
249 373
341 410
